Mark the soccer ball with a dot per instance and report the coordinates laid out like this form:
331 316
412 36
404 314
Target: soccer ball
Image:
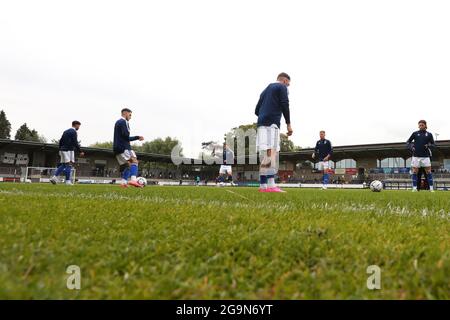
142 181
376 186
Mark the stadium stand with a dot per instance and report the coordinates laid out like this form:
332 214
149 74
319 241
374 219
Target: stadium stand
357 164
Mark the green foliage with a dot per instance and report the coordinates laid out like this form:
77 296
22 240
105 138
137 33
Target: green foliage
24 133
286 145
233 133
159 146
5 126
208 243
102 145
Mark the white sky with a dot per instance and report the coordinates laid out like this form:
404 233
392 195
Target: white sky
366 71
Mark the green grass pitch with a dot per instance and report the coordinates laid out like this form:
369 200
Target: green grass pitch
222 243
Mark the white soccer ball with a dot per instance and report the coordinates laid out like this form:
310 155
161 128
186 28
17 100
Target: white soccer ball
142 181
376 186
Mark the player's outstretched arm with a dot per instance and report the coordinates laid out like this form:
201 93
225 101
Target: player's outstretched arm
409 142
431 145
330 151
134 138
76 144
289 130
316 150
284 102
258 106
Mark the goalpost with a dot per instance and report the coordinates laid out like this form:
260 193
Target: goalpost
43 174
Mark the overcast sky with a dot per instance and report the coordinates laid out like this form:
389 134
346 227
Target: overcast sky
365 71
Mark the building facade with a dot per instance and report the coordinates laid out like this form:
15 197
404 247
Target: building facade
349 163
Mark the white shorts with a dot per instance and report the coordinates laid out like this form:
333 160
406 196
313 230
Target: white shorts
418 162
225 169
67 156
124 157
268 138
323 165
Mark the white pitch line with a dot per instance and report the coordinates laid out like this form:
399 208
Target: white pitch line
238 195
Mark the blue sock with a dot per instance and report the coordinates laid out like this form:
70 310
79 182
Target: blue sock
430 179
414 180
326 178
60 169
262 179
68 172
134 169
126 174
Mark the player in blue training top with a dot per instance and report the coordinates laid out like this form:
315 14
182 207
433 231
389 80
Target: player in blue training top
122 149
68 144
272 105
323 152
226 165
421 144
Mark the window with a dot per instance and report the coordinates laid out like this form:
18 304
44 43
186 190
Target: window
306 164
330 165
391 163
408 162
447 164
345 164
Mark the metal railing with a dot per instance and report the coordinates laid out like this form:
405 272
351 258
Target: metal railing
406 185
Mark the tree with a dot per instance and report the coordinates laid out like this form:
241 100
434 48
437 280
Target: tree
287 145
233 133
102 145
42 138
24 133
160 146
5 126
